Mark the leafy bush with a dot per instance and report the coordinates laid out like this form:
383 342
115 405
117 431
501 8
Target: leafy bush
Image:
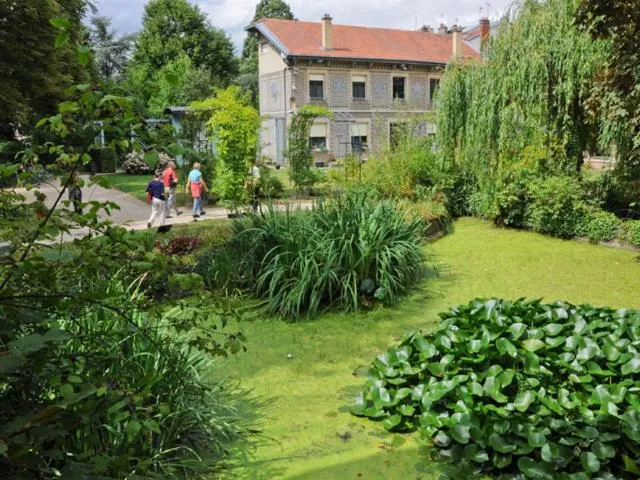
548 391
345 254
558 206
600 226
630 232
180 245
270 186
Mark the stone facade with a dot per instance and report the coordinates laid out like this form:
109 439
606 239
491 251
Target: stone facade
285 87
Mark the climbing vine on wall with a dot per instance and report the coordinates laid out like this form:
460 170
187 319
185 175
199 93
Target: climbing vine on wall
299 151
524 105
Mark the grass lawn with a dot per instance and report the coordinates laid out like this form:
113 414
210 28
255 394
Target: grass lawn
308 433
136 184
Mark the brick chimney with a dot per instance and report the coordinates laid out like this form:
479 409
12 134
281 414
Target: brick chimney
327 33
457 41
485 30
443 29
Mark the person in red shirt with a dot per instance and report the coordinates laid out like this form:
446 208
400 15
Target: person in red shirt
170 180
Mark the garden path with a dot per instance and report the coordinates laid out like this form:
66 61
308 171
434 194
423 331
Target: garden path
133 213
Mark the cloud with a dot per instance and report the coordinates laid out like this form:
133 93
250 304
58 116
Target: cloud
233 15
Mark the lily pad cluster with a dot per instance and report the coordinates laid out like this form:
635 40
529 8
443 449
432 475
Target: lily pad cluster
518 388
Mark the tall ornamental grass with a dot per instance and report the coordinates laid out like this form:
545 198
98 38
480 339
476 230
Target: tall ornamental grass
346 253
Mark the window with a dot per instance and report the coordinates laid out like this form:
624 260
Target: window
359 137
316 87
318 137
398 88
359 87
263 47
434 83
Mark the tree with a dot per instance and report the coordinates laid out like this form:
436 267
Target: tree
526 105
34 73
617 96
249 65
234 127
172 28
180 83
111 53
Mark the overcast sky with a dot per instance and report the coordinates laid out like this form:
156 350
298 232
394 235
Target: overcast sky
233 15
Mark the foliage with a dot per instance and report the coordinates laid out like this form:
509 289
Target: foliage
34 73
524 106
298 150
600 226
234 125
134 164
616 95
180 245
557 206
397 170
89 390
180 83
171 29
270 185
111 53
631 232
249 61
548 391
344 254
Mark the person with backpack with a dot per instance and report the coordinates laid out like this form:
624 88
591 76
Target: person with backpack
170 180
155 196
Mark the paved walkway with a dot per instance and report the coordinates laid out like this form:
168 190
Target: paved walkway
133 213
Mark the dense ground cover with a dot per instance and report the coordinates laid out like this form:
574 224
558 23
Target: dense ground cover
307 428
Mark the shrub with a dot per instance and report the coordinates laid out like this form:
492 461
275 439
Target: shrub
344 254
558 206
134 164
630 232
548 391
270 186
600 226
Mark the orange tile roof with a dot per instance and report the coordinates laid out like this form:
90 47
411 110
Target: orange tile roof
304 39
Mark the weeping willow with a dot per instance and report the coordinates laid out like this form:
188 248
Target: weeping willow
524 104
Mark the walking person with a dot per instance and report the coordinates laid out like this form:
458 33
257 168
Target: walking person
75 193
170 180
155 190
197 185
253 184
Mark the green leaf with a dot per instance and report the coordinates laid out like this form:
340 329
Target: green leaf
500 444
83 53
392 422
553 329
460 433
533 344
502 460
603 450
59 22
523 400
536 439
66 389
476 454
133 427
505 346
590 462
533 469
74 379
632 366
61 38
426 349
517 329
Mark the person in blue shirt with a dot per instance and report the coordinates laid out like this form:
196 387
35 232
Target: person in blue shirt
155 190
196 184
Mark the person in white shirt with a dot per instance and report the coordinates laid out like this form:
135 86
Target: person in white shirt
253 184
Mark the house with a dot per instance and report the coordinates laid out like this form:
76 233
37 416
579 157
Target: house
370 78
